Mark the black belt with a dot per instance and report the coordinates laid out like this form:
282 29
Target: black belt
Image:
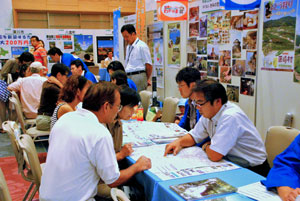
136 72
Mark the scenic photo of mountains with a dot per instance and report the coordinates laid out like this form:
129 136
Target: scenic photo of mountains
279 34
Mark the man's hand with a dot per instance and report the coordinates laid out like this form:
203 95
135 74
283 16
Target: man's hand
126 150
143 163
54 80
173 147
149 82
287 193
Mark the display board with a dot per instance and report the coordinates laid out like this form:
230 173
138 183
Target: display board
222 45
81 41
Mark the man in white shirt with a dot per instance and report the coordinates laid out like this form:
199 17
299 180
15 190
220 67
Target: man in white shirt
109 58
30 89
233 136
138 60
81 149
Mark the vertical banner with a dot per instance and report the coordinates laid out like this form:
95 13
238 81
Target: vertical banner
297 48
174 45
116 16
176 10
141 19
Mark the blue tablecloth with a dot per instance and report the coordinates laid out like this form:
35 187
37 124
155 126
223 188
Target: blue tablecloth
158 190
104 75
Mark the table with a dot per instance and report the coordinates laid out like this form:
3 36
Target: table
104 75
158 189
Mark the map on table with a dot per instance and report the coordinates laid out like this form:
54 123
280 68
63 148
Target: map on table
143 133
188 162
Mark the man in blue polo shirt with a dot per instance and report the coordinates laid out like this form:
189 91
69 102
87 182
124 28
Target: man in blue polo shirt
77 69
66 58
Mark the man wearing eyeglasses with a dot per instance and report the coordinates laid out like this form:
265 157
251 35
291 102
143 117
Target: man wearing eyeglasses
186 79
233 136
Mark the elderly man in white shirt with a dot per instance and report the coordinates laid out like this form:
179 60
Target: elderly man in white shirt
138 59
30 89
233 136
81 150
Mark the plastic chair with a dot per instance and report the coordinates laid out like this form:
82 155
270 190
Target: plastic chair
28 122
14 134
33 132
278 139
118 195
4 192
145 99
32 163
169 109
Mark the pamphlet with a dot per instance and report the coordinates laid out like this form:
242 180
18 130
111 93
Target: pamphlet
203 189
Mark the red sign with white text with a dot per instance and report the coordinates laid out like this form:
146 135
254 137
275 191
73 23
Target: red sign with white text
175 10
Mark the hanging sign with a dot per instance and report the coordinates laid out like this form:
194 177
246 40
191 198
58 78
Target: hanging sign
241 4
173 10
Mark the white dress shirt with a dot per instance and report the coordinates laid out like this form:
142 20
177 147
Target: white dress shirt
137 55
80 153
232 133
30 89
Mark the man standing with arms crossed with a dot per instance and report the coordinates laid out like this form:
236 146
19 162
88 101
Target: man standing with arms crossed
138 60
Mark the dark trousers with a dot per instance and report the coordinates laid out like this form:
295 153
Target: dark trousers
262 169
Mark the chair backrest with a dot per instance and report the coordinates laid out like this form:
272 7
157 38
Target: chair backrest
169 109
4 192
118 195
145 99
278 139
12 129
20 115
27 146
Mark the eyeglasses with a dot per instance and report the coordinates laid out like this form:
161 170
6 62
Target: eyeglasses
198 104
119 108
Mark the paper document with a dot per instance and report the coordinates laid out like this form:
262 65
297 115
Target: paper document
258 191
188 162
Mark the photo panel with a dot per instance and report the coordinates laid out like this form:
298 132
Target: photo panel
247 86
213 52
194 29
191 59
201 63
225 74
233 93
225 58
213 69
238 67
251 63
191 45
249 40
201 46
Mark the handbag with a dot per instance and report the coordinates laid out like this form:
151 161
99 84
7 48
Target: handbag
4 92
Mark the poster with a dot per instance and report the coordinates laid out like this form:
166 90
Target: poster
11 44
203 26
279 35
155 42
83 45
62 41
201 63
159 72
238 67
174 45
210 5
104 44
296 75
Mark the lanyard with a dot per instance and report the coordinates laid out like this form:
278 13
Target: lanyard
130 50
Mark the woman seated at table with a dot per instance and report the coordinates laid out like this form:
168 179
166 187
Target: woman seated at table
285 173
129 99
70 96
